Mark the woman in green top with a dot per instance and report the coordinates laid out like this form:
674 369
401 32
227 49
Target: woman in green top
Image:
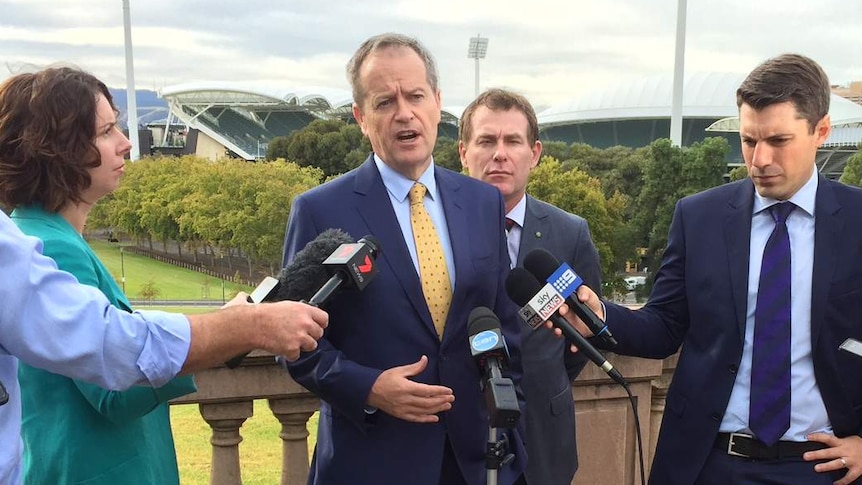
61 151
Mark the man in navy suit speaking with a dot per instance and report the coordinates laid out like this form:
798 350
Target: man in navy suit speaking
400 392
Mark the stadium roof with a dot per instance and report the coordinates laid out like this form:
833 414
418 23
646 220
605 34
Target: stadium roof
257 94
245 116
705 95
845 116
249 93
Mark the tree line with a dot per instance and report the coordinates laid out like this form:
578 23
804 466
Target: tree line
627 195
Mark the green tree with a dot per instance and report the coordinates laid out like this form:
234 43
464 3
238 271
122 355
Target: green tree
558 150
446 154
852 174
277 148
738 173
322 143
576 192
670 174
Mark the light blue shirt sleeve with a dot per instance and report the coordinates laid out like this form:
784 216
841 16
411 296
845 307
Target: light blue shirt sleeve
50 321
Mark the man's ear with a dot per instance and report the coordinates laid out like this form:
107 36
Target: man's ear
359 117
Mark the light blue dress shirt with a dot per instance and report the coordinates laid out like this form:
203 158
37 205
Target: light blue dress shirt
807 411
398 186
50 321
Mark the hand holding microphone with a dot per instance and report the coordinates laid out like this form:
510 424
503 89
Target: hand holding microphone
539 304
329 262
546 267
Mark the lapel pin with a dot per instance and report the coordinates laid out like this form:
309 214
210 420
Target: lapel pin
538 234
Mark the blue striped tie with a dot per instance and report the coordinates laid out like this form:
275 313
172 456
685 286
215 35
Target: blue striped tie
769 409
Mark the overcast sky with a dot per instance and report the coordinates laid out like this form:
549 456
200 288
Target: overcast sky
549 50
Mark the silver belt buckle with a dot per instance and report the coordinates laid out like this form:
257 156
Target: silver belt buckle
731 442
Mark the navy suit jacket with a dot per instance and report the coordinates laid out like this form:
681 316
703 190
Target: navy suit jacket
549 367
388 324
699 301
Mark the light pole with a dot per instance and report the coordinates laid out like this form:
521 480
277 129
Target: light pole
132 115
477 50
122 270
678 76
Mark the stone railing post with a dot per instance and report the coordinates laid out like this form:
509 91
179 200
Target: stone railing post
606 434
293 413
225 419
659 396
226 399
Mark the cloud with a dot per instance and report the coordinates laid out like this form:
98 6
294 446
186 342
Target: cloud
547 49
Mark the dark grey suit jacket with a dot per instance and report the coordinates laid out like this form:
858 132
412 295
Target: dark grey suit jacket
548 366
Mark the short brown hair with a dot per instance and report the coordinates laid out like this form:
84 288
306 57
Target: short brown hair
384 41
788 77
497 99
47 128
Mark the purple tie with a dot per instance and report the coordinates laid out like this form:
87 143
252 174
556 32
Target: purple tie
769 409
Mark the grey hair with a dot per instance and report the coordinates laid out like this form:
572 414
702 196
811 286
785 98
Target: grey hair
384 41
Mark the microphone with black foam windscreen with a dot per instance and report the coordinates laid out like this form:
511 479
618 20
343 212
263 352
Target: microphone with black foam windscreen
539 304
306 273
351 266
488 347
546 267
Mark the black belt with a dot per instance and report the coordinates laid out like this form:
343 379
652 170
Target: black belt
747 446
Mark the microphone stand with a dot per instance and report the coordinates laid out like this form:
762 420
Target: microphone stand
497 451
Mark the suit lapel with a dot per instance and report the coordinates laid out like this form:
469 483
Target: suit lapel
375 207
453 201
535 229
827 229
737 238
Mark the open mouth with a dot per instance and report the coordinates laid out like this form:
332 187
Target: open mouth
408 135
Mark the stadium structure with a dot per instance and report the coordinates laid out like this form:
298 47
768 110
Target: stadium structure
238 119
636 113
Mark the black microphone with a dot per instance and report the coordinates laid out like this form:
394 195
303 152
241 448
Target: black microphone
351 265
298 280
302 277
488 347
546 267
539 304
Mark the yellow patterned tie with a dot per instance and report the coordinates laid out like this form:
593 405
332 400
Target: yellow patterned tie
432 263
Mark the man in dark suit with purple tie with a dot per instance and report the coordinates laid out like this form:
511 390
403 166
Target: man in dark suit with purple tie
760 283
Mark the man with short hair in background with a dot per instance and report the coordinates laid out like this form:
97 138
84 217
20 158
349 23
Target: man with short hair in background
499 143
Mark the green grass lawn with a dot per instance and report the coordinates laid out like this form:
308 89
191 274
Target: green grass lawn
173 283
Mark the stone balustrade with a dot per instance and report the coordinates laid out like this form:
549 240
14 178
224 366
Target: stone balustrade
606 434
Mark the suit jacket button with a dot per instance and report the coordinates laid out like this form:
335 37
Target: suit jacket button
716 417
733 368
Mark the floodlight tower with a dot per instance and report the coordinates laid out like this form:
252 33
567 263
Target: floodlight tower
132 109
477 50
678 76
